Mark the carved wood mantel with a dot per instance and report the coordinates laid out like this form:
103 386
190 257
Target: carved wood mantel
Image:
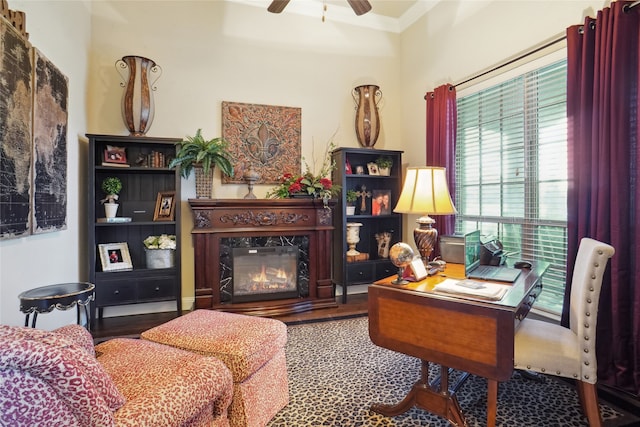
219 219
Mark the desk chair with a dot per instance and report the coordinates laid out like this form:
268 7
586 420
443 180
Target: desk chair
570 352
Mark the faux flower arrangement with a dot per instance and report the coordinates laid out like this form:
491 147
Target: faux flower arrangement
163 241
309 183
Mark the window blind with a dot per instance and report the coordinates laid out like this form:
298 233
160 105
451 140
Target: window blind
511 170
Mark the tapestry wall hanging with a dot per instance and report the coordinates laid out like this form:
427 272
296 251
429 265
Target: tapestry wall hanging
50 146
263 136
15 132
33 135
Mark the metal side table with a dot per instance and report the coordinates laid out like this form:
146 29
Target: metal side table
62 296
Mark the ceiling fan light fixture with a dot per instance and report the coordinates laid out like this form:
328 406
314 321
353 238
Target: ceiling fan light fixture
360 7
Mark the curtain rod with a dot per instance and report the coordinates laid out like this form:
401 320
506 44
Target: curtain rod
518 58
632 5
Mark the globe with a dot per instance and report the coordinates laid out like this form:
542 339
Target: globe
401 255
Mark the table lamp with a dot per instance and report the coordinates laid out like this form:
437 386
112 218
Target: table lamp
426 192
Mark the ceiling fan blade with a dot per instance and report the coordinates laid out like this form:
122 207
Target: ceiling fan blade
277 6
360 7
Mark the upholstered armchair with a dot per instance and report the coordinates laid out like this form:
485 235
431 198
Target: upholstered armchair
570 352
58 378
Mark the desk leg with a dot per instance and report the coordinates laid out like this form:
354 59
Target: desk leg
492 402
437 401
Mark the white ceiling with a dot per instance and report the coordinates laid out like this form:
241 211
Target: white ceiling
386 15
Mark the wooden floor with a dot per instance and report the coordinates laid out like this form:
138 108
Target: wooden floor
133 325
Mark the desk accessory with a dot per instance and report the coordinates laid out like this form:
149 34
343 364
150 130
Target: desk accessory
426 192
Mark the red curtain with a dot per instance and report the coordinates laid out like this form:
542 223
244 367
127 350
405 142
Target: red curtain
442 122
603 203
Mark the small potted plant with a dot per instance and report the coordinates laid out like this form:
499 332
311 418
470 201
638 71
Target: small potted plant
351 196
384 165
112 187
203 155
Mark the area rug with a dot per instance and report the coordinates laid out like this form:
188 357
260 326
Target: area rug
336 373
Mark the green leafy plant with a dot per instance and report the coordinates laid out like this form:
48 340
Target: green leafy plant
384 162
351 196
111 186
197 151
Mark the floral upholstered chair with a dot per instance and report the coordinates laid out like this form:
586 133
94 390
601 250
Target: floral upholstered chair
53 378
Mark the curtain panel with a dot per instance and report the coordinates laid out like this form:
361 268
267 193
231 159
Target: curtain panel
603 115
442 123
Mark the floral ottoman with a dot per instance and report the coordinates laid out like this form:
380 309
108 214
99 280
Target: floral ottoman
251 347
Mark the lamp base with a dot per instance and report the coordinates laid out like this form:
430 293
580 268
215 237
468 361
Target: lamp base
425 237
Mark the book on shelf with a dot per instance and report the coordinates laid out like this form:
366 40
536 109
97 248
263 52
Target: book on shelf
116 165
115 219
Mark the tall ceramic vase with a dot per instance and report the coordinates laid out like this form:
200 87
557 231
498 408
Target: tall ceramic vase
139 75
367 98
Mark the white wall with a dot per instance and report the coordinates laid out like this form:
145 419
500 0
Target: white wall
214 51
219 51
61 31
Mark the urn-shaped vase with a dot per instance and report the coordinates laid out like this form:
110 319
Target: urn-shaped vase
367 98
139 76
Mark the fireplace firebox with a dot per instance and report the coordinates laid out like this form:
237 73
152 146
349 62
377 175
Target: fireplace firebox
264 273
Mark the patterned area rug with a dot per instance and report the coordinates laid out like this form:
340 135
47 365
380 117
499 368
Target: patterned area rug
336 373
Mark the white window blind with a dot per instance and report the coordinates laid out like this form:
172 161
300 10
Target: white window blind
511 170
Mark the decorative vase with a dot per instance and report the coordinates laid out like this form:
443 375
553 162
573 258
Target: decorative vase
159 258
110 209
204 183
384 171
367 117
139 75
353 237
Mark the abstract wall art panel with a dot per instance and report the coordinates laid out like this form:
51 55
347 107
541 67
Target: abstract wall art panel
266 137
16 97
51 91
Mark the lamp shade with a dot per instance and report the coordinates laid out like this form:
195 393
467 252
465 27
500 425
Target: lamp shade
425 191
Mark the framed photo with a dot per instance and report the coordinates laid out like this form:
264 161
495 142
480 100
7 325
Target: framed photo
113 154
373 168
418 269
115 256
165 206
381 202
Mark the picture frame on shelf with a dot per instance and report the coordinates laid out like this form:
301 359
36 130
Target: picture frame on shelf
165 206
380 202
115 156
372 167
115 256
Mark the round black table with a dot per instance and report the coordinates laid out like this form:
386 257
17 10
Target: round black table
62 296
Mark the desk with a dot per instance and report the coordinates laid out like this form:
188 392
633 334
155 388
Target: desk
62 296
468 335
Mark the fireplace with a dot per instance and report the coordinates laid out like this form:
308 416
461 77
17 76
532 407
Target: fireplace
221 226
264 273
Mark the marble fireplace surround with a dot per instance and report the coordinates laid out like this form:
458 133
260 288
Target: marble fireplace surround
220 224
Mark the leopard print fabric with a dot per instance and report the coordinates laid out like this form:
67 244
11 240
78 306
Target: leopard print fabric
45 376
165 386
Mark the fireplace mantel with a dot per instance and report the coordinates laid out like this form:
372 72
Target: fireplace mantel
218 219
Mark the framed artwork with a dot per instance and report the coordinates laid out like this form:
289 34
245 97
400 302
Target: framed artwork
264 137
113 154
165 206
115 256
373 168
16 105
50 104
381 202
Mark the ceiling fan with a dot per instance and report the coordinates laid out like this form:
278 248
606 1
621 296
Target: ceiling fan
360 7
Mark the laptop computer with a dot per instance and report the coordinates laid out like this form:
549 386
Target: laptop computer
472 267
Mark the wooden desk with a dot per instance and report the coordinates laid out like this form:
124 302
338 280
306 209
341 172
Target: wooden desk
468 335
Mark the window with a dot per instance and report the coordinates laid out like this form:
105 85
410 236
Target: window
511 170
